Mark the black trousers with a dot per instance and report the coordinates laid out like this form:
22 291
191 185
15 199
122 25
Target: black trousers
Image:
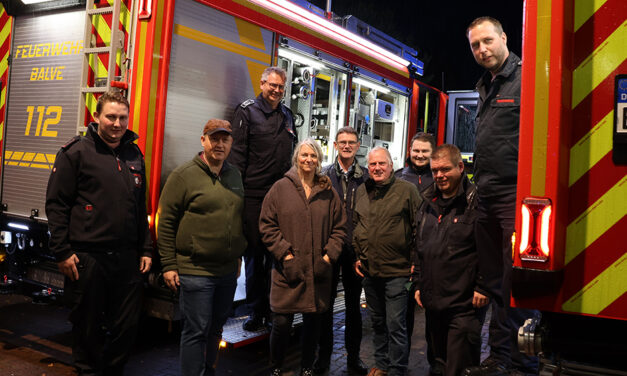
257 261
493 234
280 338
352 293
106 304
455 339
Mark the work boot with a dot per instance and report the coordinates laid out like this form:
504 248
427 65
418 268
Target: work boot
489 367
356 367
253 324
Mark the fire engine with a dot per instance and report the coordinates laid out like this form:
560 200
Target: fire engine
570 257
182 62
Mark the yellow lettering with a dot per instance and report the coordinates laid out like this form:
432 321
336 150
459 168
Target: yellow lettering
46 49
38 51
48 70
55 49
54 121
75 47
40 111
30 110
41 75
18 49
33 75
60 72
31 51
65 48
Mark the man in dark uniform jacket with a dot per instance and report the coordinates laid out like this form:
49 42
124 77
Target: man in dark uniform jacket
446 279
96 208
495 174
418 170
346 176
263 141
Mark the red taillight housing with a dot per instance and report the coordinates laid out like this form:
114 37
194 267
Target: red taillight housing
536 225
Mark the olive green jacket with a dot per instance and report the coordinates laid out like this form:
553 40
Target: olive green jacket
200 220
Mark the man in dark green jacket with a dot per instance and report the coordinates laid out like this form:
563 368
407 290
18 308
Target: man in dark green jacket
201 241
383 237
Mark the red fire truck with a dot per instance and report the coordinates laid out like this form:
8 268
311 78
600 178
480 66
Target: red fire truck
570 257
182 62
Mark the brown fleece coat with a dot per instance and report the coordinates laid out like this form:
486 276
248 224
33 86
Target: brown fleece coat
308 228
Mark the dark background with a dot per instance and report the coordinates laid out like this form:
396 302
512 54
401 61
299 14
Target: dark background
436 29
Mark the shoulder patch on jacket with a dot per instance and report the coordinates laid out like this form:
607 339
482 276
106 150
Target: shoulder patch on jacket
247 103
69 144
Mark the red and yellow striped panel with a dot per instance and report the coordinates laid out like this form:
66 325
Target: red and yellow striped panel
6 24
567 118
101 34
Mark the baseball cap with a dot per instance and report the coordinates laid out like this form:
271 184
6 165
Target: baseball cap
216 125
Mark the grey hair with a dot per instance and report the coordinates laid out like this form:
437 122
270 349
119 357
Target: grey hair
315 147
387 153
275 70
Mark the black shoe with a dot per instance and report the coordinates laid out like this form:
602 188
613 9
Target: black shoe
356 367
320 369
489 367
253 324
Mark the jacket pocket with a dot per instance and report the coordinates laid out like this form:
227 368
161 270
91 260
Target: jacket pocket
291 270
322 269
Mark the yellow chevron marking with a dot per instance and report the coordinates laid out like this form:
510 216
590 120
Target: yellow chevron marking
591 148
28 157
4 64
211 40
254 71
585 9
91 102
7 154
596 220
40 157
42 166
603 61
6 30
1 130
602 291
250 34
541 112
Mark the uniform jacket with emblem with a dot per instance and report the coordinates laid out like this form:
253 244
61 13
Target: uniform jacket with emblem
263 143
497 126
384 226
309 228
200 230
446 270
96 197
420 177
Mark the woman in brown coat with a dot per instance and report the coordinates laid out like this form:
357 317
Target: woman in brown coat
302 225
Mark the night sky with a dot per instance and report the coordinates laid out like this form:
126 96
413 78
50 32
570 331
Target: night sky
436 29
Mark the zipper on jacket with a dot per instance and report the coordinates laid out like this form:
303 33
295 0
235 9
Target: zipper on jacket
118 161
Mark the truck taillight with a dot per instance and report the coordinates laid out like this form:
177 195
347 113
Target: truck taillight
536 220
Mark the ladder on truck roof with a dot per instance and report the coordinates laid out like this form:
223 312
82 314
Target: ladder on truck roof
90 86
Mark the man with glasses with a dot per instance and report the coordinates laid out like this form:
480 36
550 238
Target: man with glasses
263 141
346 176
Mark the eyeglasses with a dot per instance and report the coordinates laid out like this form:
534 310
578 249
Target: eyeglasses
275 86
344 143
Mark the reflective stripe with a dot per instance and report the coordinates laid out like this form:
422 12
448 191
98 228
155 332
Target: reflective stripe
596 220
591 148
584 9
602 291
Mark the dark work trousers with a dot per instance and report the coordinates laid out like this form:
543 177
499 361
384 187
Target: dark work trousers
352 293
257 260
455 338
493 232
280 338
411 312
106 304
